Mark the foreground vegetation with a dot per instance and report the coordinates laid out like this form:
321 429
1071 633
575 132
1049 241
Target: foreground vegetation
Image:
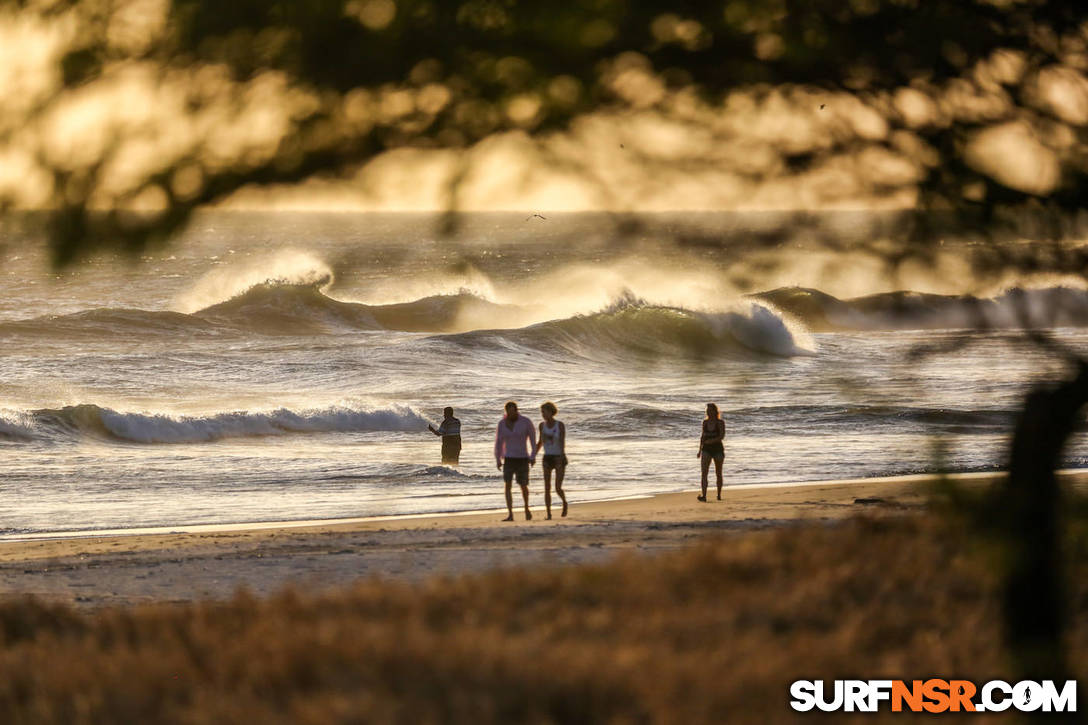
712 633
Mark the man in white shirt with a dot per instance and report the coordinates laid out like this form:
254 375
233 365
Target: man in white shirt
515 451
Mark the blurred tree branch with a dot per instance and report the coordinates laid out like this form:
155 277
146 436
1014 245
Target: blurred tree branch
256 92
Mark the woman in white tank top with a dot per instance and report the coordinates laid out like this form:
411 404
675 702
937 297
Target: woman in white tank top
553 439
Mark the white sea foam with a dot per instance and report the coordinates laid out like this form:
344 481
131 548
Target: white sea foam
15 425
285 267
149 428
763 330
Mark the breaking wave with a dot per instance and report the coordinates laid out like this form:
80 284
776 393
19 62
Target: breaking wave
776 322
632 326
1039 308
289 310
299 309
285 267
93 421
279 309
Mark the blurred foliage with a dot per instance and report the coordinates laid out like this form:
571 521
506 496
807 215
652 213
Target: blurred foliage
373 75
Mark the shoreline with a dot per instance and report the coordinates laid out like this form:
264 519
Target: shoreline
228 527
180 567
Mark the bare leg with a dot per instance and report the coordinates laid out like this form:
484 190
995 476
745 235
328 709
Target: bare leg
548 490
560 472
718 471
509 504
704 463
525 497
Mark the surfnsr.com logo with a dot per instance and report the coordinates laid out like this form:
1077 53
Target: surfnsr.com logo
933 695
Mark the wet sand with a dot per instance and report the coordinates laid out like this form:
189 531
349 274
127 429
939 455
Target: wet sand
176 565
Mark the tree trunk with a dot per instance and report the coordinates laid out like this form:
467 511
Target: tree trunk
1030 511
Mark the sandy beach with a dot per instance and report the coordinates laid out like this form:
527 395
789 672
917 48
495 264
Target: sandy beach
214 562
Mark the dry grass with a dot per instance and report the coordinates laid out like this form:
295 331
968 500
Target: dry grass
711 634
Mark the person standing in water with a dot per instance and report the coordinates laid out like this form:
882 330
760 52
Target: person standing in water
513 457
711 447
553 439
450 430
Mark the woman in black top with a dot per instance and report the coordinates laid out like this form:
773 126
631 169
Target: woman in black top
711 447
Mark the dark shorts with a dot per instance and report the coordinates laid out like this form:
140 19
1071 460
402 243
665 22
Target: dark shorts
451 449
552 461
516 467
715 451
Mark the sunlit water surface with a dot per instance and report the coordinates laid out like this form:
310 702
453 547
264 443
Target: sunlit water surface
152 394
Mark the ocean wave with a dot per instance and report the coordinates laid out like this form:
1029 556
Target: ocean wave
279 309
820 419
16 427
288 310
1038 308
793 420
108 322
448 313
775 322
284 267
93 421
642 422
630 326
401 472
295 309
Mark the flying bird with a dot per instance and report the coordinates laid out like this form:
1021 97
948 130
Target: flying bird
536 215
